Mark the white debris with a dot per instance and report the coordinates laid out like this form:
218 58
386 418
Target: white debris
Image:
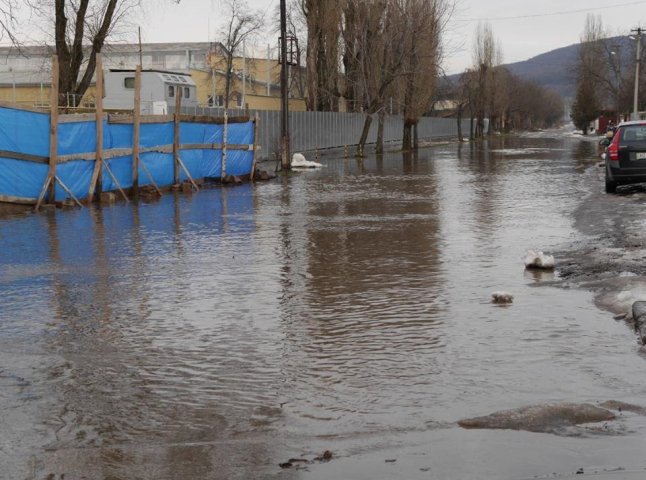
539 260
299 161
502 297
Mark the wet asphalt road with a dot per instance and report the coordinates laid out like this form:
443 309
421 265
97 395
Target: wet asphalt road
344 309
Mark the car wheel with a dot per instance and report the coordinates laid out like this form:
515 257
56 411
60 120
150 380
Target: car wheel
611 187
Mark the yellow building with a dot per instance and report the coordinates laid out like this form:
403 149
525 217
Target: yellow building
25 77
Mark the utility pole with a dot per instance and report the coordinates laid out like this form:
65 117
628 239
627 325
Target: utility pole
286 160
638 38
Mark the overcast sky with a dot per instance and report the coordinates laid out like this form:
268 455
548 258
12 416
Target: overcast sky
523 28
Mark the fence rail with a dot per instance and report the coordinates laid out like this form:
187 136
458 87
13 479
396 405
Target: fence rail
321 130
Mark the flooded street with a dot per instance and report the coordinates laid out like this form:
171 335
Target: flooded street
348 309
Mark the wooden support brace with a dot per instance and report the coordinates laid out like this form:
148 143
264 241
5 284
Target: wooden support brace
41 197
149 175
116 182
181 164
68 191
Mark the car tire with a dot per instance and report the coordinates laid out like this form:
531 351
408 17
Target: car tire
611 187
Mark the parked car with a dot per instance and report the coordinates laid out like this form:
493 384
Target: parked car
626 156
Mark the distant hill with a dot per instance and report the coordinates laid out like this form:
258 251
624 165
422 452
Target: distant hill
555 69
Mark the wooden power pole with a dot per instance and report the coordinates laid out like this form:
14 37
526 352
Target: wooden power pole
286 160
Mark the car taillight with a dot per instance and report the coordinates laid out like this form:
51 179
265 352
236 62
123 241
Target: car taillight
613 148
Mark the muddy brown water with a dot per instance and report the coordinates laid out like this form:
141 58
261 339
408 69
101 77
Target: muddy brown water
344 309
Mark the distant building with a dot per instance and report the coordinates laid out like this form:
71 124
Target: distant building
25 74
159 89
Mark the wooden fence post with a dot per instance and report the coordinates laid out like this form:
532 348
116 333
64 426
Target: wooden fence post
95 181
178 107
255 144
136 129
53 130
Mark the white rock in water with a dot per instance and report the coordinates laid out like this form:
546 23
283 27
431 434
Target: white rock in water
539 260
502 297
299 161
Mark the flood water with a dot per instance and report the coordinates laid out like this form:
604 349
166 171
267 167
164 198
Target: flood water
217 335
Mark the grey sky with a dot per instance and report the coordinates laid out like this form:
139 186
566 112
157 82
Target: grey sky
537 26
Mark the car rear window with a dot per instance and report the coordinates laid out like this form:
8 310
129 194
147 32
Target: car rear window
633 133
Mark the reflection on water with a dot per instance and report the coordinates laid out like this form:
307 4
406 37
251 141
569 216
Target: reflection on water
214 335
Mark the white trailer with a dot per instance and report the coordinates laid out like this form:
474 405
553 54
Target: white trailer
159 90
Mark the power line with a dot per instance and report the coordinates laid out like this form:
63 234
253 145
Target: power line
553 14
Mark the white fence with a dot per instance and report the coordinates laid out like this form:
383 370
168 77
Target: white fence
322 130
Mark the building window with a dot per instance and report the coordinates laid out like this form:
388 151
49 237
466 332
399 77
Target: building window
187 92
218 101
158 60
129 82
171 91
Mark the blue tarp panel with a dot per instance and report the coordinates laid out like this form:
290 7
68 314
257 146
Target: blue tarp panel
121 167
28 132
239 162
160 166
77 137
76 176
154 134
240 133
21 179
117 136
24 132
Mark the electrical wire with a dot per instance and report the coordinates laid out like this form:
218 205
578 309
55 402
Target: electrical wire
553 14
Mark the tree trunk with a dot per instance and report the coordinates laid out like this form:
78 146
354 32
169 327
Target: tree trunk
364 135
407 136
415 136
312 49
72 60
380 131
460 137
227 83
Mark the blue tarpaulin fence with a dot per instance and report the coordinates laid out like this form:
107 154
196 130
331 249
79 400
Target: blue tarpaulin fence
27 133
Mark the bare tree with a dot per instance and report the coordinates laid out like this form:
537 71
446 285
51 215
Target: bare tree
391 49
242 24
466 97
590 72
80 30
9 21
296 24
425 21
322 64
90 22
531 106
373 38
486 57
501 82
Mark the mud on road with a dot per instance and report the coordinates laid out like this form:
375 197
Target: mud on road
609 257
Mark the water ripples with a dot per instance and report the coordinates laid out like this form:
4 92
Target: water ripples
332 303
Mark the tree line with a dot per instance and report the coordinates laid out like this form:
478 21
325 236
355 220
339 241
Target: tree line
489 90
373 53
392 52
605 76
368 55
